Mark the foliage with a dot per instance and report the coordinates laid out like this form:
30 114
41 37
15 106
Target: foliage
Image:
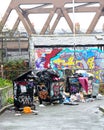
10 100
13 69
5 82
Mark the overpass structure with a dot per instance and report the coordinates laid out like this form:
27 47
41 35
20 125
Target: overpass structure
56 9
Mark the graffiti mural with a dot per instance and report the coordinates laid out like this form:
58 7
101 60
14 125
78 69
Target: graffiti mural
60 58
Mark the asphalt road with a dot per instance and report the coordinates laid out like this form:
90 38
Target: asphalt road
85 116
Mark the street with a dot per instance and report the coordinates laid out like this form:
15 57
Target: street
84 116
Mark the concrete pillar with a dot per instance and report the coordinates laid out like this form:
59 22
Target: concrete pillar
77 27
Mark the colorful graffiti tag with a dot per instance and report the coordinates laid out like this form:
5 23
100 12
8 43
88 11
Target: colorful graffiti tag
60 58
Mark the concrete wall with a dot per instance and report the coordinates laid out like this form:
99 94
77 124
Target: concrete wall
81 52
5 93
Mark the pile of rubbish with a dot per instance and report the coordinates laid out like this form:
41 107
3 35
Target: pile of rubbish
45 84
49 87
80 87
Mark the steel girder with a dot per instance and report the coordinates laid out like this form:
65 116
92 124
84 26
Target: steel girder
58 7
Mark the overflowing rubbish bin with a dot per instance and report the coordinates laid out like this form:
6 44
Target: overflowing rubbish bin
73 85
80 81
56 90
50 87
23 90
44 84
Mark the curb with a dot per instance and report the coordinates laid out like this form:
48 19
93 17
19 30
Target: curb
5 108
101 108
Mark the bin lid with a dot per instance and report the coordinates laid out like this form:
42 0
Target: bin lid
23 76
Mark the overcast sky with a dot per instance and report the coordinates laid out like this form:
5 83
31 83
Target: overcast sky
84 23
3 7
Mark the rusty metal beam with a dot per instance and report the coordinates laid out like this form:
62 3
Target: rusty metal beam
56 2
45 27
30 24
24 20
94 21
65 14
16 24
5 17
42 7
54 25
52 29
69 10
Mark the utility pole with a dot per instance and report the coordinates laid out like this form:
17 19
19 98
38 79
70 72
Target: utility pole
74 34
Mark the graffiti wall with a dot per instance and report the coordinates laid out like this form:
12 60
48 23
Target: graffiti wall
60 58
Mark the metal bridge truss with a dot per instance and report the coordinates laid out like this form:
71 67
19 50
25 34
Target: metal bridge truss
62 8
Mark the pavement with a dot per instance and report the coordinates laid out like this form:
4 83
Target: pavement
84 116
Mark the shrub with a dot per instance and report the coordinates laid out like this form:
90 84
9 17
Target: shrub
13 69
10 100
5 82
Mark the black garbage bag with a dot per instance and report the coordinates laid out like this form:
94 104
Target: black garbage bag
47 75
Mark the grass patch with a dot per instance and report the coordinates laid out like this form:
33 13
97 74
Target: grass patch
5 82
